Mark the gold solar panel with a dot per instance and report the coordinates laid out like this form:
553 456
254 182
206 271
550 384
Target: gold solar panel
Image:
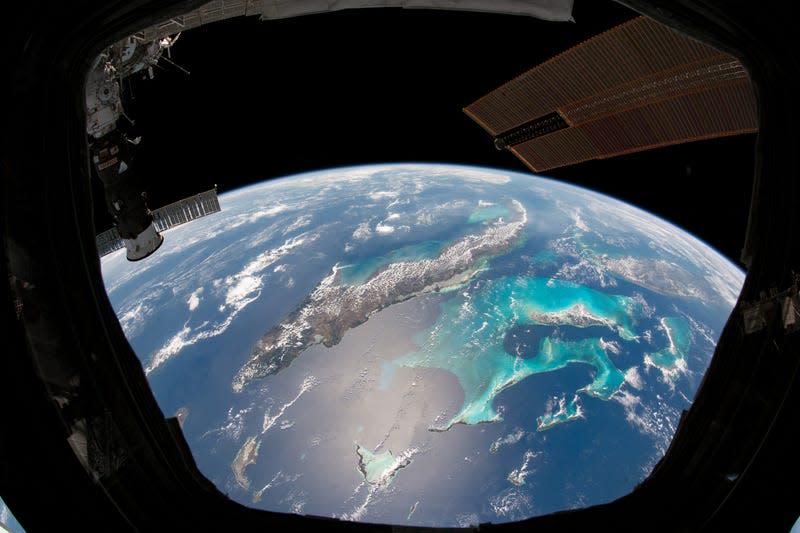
634 87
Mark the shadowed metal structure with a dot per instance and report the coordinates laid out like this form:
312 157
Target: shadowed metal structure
638 86
217 10
86 447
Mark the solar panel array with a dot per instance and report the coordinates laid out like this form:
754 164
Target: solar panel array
166 217
634 87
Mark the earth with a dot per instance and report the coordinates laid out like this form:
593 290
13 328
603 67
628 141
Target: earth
433 345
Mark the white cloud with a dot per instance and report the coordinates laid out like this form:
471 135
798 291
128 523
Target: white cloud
425 219
268 212
269 257
379 195
633 378
362 232
241 289
610 346
194 299
133 320
250 217
270 419
468 520
172 347
467 173
518 475
659 420
278 479
301 222
511 438
245 286
723 277
577 219
384 229
398 201
234 424
511 503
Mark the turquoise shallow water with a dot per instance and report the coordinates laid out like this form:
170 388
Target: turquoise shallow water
357 273
551 301
380 468
486 213
680 337
374 464
467 340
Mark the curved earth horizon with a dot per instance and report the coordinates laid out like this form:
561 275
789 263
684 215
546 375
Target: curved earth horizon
434 345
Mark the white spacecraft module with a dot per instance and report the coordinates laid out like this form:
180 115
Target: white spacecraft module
164 218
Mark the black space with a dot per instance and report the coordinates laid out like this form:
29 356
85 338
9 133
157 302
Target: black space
266 99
